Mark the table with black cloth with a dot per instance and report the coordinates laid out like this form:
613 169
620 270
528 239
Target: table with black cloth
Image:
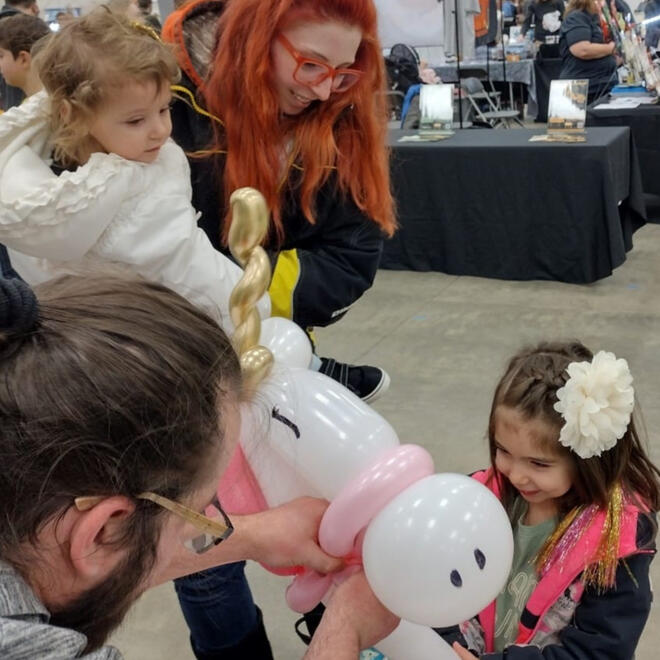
490 203
644 121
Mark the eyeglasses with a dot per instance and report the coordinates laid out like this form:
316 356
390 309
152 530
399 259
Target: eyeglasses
214 522
311 72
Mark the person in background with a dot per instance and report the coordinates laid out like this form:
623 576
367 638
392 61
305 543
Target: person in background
148 17
18 35
12 93
582 49
64 18
11 96
652 36
546 15
509 11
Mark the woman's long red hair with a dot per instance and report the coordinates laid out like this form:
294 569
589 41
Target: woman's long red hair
347 132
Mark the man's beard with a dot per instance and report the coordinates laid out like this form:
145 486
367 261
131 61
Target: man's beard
98 611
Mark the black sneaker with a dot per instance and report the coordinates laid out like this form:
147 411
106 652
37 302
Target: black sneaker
364 381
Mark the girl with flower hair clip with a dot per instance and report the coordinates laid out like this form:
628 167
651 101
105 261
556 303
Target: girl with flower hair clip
569 466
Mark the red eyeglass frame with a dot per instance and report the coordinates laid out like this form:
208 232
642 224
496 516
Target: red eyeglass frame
331 71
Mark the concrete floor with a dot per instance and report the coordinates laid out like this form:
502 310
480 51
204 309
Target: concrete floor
444 341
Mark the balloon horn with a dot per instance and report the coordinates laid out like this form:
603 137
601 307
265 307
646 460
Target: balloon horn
249 226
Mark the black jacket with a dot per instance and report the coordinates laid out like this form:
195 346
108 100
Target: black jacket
10 96
321 269
604 626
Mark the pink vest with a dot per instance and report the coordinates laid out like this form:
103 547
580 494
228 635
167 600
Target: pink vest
559 577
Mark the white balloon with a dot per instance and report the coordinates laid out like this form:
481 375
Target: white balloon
440 551
287 341
305 434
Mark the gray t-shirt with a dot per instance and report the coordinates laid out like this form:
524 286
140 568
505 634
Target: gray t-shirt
527 542
25 631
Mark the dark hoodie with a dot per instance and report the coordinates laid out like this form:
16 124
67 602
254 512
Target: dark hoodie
9 95
321 269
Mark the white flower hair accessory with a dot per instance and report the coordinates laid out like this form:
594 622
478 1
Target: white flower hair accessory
596 404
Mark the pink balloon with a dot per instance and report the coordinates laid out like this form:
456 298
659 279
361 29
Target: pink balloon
342 529
238 490
363 497
239 494
307 590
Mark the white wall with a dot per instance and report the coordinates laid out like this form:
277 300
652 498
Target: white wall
413 22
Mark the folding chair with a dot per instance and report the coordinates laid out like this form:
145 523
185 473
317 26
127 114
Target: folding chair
483 75
493 117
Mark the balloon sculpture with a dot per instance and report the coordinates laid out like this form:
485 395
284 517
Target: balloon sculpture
435 548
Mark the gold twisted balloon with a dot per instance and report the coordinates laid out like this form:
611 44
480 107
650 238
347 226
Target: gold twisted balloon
250 219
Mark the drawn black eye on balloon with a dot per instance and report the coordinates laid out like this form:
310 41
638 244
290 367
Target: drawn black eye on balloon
480 558
456 578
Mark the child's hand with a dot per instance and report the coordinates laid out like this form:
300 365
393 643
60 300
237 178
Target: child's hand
462 653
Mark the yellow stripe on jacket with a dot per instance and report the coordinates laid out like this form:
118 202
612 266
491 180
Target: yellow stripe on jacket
283 284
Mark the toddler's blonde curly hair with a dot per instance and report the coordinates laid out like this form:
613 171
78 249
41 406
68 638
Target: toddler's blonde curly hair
89 61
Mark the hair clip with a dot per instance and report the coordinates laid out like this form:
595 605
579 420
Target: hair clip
141 27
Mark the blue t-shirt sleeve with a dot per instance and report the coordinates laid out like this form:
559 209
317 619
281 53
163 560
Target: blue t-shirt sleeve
576 28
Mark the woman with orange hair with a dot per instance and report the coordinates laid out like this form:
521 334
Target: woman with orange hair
285 96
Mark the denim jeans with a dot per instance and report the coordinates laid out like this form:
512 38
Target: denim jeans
218 607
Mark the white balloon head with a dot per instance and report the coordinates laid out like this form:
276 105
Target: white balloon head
440 551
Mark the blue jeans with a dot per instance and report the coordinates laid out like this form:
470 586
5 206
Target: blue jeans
218 607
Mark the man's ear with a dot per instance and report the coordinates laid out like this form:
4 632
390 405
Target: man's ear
23 59
93 551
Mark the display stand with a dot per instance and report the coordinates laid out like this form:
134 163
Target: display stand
504 58
458 66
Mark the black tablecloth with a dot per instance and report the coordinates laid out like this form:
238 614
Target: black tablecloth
644 122
493 204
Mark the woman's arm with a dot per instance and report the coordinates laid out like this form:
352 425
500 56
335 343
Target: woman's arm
327 266
586 50
158 237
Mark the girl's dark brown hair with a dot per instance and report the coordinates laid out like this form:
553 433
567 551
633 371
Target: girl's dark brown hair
119 389
529 386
